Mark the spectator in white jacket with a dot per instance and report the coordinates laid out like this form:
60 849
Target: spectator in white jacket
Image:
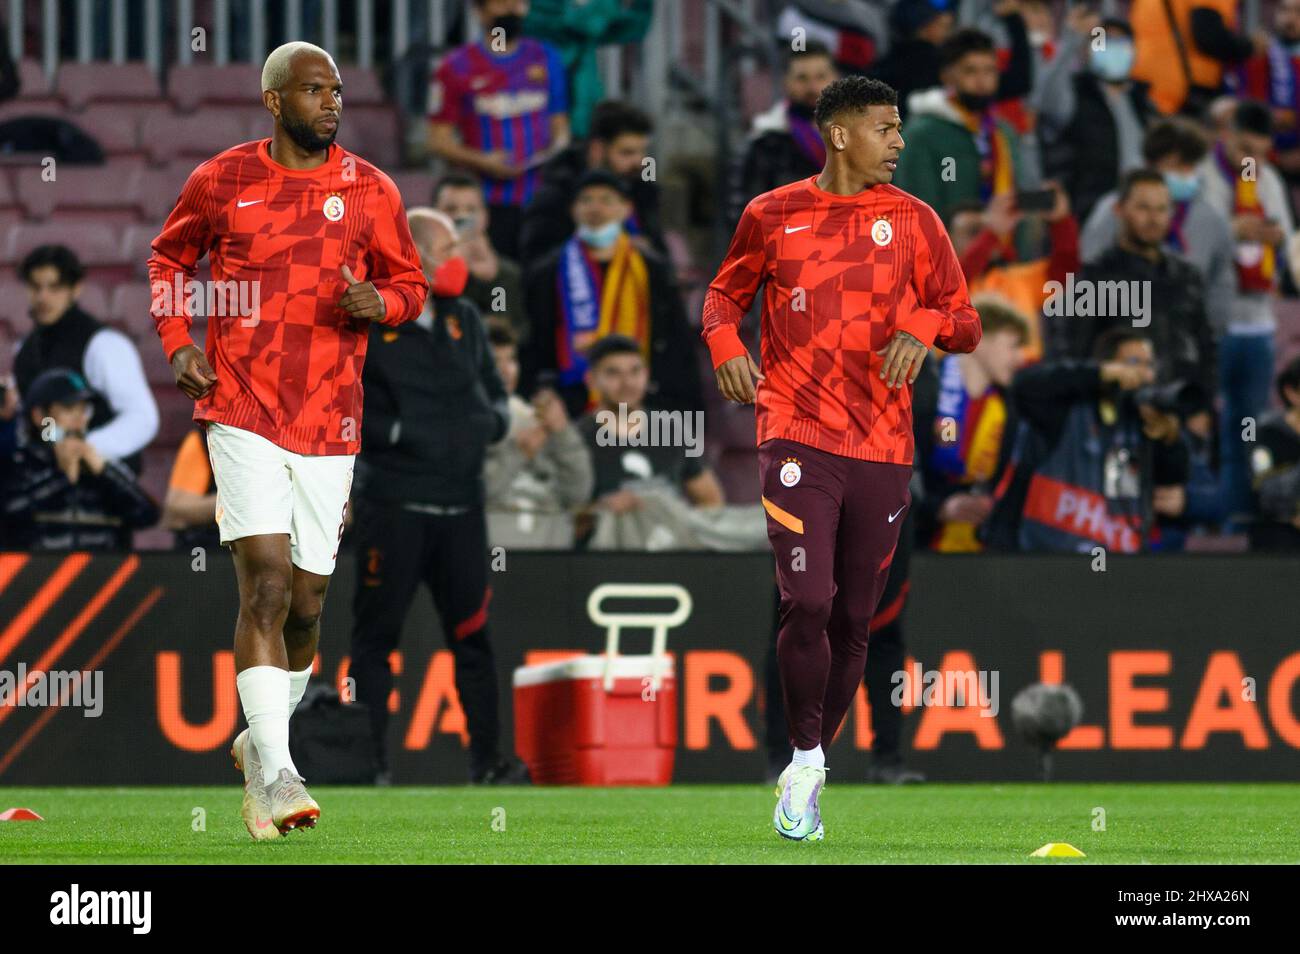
124 415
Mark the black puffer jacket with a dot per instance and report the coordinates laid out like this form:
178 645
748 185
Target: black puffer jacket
433 404
43 510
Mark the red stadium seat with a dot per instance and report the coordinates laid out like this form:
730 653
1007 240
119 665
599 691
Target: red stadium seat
373 133
129 309
158 189
97 244
137 240
35 98
94 300
361 87
13 305
116 127
175 410
35 85
415 186
91 193
203 83
199 136
81 84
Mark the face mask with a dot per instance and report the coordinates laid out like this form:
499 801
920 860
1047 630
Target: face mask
974 102
1114 62
602 237
1182 188
450 278
511 25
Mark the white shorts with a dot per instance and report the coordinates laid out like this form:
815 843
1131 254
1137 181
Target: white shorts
263 488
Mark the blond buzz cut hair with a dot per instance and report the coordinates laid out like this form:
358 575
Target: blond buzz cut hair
278 68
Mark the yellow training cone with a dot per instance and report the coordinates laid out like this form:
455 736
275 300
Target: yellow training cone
1058 849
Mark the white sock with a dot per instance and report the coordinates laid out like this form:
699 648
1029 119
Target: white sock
814 757
297 686
264 693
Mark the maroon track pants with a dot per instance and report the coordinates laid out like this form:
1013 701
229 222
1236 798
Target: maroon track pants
833 524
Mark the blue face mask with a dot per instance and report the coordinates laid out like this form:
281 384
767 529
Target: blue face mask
1114 62
1182 188
602 237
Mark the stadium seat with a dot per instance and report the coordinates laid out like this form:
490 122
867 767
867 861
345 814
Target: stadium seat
200 136
202 84
414 185
738 473
115 128
157 189
89 193
175 410
361 87
374 134
136 240
96 244
129 309
13 305
35 98
81 84
94 300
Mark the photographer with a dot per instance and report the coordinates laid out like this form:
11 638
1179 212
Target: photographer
1099 456
59 492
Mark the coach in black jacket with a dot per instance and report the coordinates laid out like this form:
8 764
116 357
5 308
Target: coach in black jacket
434 402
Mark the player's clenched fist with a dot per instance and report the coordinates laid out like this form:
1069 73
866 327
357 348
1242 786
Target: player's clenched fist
194 375
736 378
362 299
903 358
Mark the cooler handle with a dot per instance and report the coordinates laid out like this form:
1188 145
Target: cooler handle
614 623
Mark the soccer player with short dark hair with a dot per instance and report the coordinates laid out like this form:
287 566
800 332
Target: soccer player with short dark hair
308 245
859 280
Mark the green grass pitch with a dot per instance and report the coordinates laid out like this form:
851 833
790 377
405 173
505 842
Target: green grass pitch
997 824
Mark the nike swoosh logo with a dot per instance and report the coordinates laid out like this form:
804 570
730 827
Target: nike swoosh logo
798 228
900 510
249 202
263 824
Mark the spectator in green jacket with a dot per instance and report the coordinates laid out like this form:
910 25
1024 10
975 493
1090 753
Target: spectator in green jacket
957 148
578 30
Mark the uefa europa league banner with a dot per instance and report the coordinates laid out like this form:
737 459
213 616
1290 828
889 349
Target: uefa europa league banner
119 670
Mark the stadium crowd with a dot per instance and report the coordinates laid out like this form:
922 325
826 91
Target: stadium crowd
1120 196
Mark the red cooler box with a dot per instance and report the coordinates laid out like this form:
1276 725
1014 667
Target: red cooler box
597 720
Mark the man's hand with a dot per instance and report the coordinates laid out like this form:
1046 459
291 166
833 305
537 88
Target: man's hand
193 374
736 378
67 454
966 508
1129 377
362 299
91 457
1169 501
530 440
551 414
903 358
620 501
498 165
1001 214
1252 227
1157 425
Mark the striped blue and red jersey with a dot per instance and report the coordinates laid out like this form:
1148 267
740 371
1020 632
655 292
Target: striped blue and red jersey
502 102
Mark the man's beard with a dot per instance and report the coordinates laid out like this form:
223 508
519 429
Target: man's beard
301 132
